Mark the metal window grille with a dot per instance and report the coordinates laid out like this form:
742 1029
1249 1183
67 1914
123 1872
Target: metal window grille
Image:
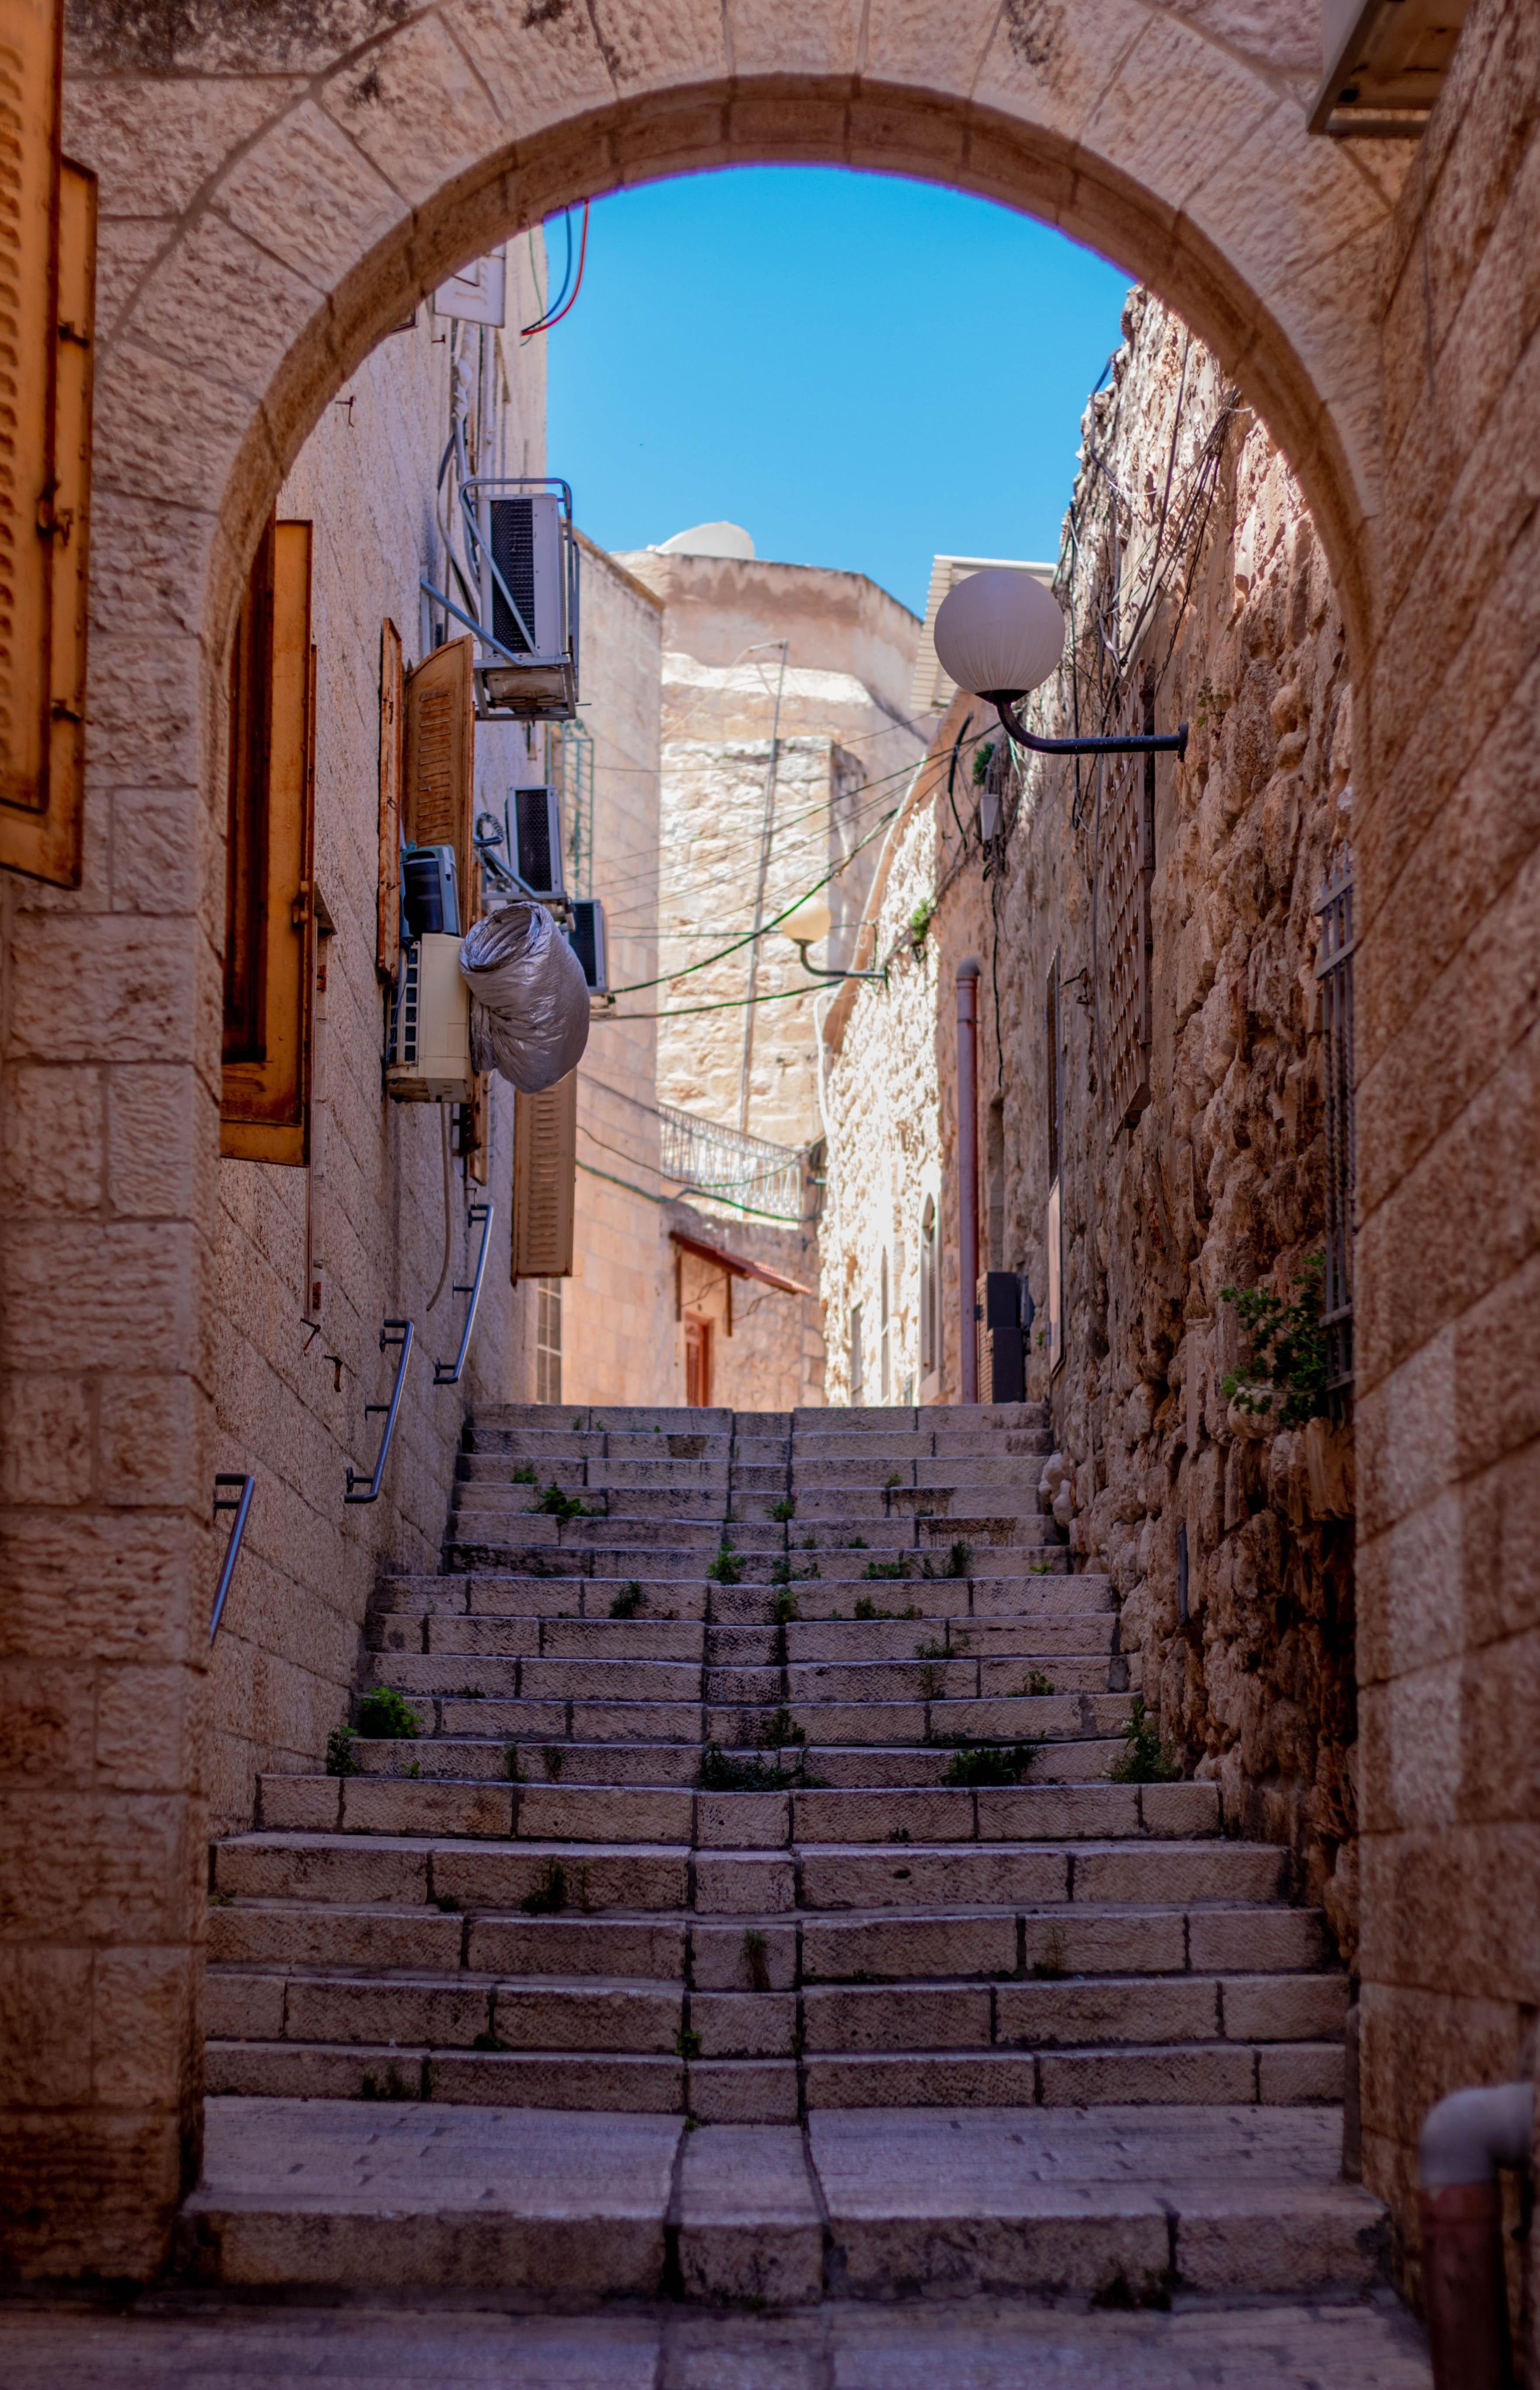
713 1160
1128 847
547 1339
573 760
1334 971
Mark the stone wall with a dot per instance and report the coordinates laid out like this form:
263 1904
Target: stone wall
1209 574
290 1385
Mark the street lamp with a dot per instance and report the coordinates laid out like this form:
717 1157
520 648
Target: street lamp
805 924
1001 634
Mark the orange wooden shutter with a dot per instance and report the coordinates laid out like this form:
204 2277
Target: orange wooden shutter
48 288
439 774
544 1180
387 930
269 964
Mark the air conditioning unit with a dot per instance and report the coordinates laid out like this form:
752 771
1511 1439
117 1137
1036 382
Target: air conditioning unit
430 898
527 603
534 818
586 939
429 1060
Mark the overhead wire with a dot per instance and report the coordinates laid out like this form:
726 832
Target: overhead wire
548 322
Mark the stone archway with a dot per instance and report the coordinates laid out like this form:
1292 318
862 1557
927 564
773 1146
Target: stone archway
277 189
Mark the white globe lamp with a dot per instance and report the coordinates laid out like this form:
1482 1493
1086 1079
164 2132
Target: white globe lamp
1001 634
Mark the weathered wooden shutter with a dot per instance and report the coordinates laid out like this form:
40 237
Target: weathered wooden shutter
47 295
437 788
269 958
544 1180
388 928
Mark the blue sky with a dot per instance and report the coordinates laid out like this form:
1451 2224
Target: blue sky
862 371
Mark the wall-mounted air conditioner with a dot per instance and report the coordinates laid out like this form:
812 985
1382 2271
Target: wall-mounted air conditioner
527 601
586 939
429 1060
534 818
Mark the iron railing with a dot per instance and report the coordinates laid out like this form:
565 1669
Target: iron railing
1334 969
448 1373
240 1503
734 1168
399 1333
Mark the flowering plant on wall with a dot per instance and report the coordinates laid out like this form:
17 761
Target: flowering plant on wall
1288 1386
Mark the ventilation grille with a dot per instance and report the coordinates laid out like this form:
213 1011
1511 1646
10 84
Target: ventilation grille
537 839
513 553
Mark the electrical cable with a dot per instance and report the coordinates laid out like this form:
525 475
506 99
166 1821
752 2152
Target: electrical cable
548 322
728 1004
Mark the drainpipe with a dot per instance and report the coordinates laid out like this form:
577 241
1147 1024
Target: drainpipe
967 1171
1466 2139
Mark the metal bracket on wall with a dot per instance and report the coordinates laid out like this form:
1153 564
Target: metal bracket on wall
446 1373
397 1332
242 1505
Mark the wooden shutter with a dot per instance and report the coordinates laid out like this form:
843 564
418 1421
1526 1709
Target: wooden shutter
269 953
47 291
544 1180
388 929
437 791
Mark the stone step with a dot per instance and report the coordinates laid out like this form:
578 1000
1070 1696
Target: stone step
1029 1701
1080 1646
543 1811
556 1759
1083 1943
481 1706
372 1865
1049 1591
1134 2204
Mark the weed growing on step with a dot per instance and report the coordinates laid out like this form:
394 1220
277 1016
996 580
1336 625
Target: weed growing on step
785 1606
855 1543
1037 1683
975 1764
687 2042
1142 1760
959 1560
472 1693
892 1478
783 1510
392 2088
721 1773
628 1602
511 1769
342 1758
559 1504
1288 1349
891 1570
415 1770
727 1567
867 1608
527 1476
1050 1966
809 1543
781 1732
934 1649
223 1900
549 1896
1042 1568
553 1758
933 1681
385 1716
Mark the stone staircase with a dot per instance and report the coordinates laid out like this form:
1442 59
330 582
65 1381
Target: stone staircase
762 1774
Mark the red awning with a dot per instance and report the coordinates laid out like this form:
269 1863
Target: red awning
735 1264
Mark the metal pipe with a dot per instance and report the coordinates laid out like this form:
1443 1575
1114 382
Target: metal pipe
242 1505
447 1374
1466 2139
1004 702
967 1171
398 1333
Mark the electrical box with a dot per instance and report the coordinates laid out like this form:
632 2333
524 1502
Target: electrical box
534 838
430 1058
1002 1338
586 939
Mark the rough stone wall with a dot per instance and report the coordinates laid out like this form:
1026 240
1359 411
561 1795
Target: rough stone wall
290 1394
1220 1180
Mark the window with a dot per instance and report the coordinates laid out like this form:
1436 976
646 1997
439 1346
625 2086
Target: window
547 1339
857 1386
882 1377
47 297
929 1320
269 885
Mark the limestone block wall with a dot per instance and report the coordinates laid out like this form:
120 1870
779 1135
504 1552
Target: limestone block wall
290 1388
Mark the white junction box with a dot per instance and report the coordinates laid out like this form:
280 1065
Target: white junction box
430 1058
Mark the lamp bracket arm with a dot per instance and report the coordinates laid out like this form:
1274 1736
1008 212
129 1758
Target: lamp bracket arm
1005 706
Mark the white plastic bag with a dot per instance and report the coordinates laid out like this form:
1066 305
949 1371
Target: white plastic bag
528 999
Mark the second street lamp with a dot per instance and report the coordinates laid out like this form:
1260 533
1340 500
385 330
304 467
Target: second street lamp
1001 634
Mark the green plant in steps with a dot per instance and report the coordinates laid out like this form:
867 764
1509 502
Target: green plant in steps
727 1567
783 1510
553 1758
389 2087
549 1896
932 1648
721 1773
959 1560
785 1607
525 1477
1288 1349
920 920
628 1602
867 1608
975 1764
415 1770
1037 1683
687 2042
933 1681
890 1481
342 1758
855 1543
1142 1760
780 1731
891 1570
385 1716
558 1504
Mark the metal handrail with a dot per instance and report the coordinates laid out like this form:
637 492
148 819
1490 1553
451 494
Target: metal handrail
242 1505
394 1332
444 1375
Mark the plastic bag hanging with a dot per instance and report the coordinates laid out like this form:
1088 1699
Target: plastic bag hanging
529 998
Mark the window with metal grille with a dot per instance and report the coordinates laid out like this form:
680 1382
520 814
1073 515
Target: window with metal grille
547 1339
1334 971
1128 862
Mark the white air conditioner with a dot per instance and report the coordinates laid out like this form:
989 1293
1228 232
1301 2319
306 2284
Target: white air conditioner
527 600
430 1058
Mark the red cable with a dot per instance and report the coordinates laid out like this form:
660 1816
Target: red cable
529 330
